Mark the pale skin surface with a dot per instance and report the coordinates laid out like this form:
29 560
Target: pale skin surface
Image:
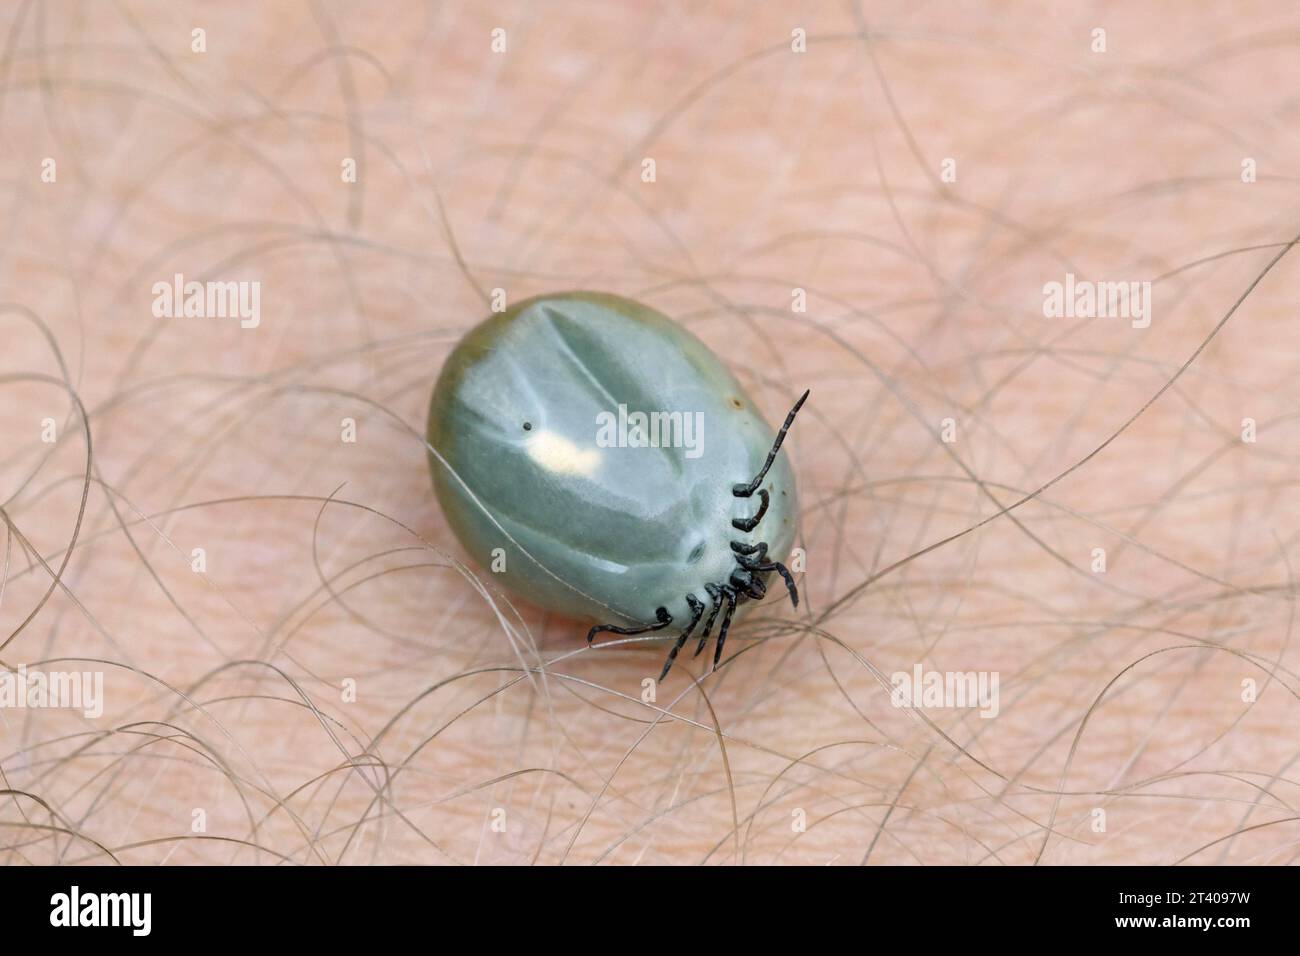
321 683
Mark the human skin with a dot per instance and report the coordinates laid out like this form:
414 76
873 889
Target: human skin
300 663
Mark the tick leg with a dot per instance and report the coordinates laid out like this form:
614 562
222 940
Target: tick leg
743 579
759 551
716 593
758 564
664 619
782 570
726 623
744 491
697 611
749 524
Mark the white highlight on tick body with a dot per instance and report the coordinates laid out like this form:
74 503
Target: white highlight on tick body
556 453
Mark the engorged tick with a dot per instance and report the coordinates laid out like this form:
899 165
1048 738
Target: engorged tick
624 497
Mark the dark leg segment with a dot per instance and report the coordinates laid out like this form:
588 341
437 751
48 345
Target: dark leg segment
759 551
749 524
757 565
744 491
664 619
726 623
697 611
747 582
782 570
715 593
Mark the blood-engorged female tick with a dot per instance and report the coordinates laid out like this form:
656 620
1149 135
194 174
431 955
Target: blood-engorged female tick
594 453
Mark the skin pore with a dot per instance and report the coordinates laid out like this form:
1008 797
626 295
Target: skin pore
1049 539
